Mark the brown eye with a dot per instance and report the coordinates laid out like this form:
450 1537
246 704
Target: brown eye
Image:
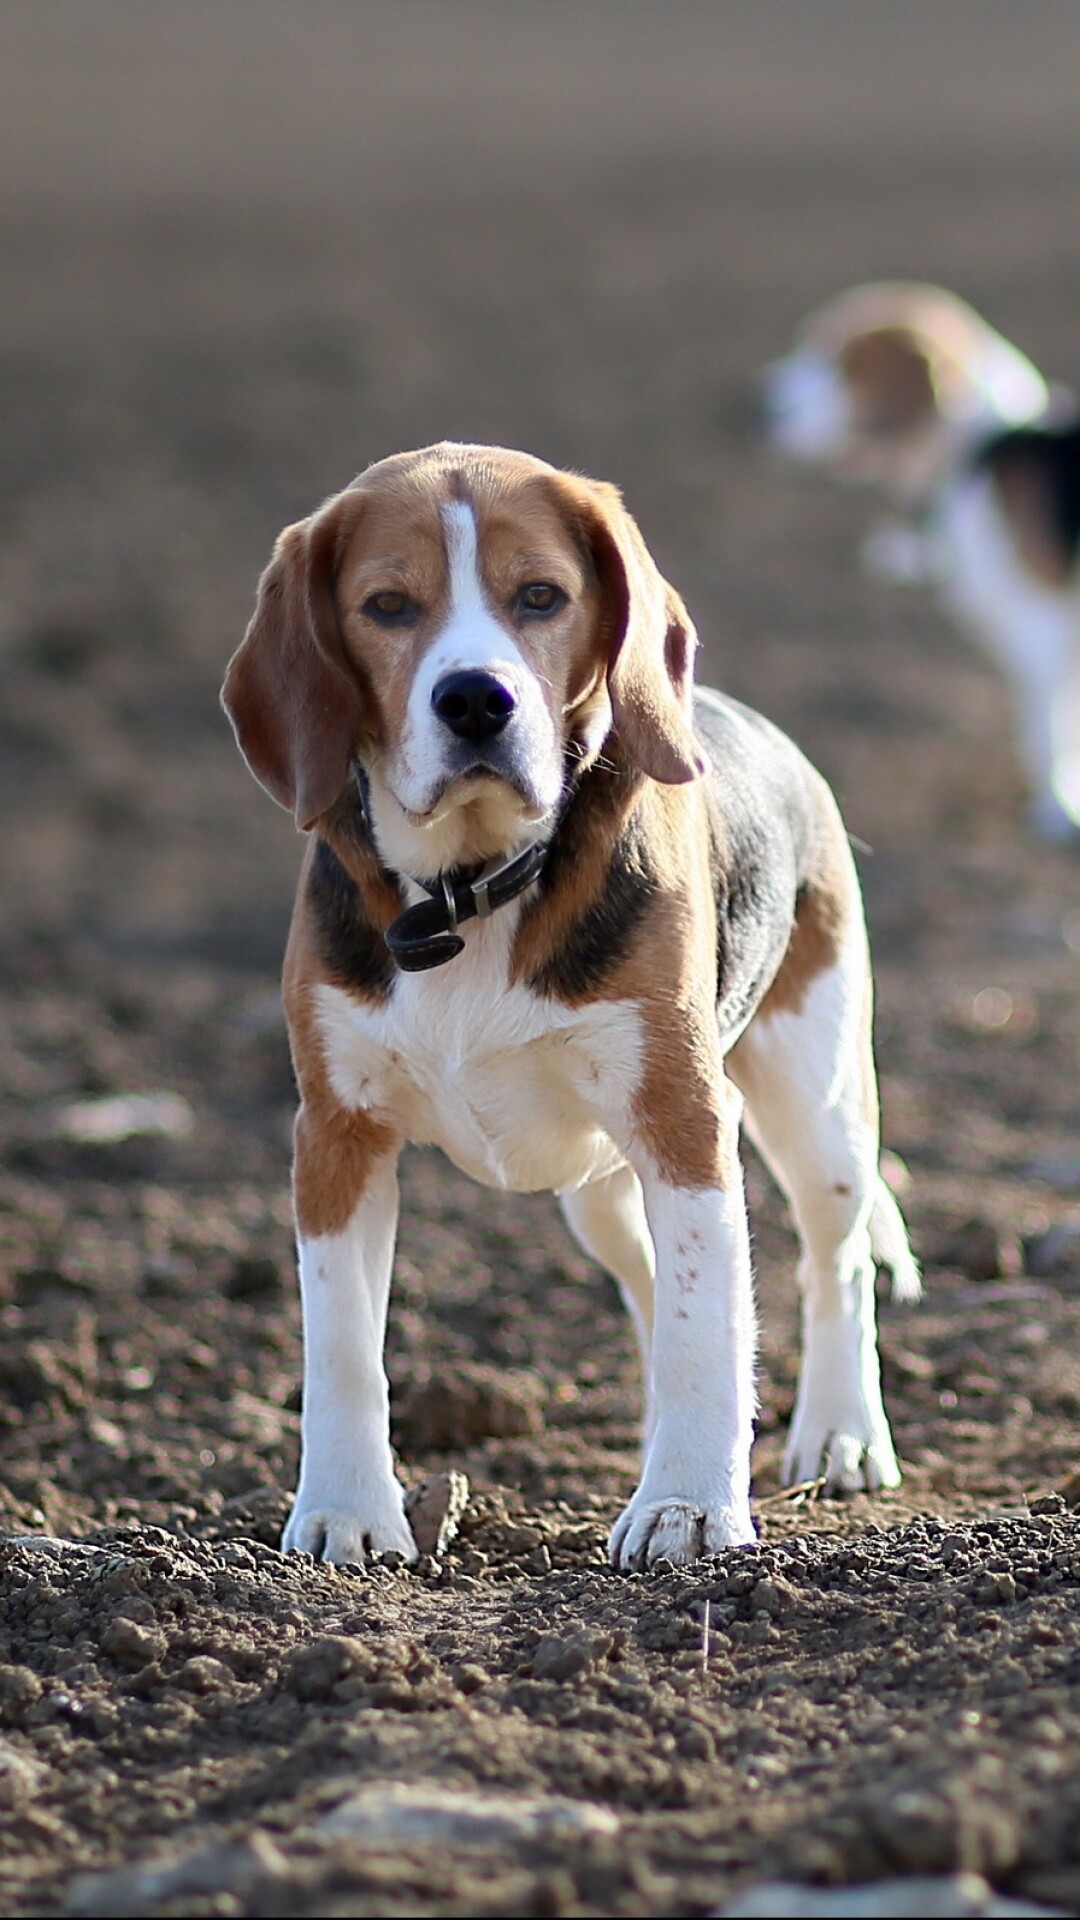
540 596
391 609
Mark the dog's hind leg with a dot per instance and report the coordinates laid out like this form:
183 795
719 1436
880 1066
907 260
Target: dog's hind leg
607 1219
807 1073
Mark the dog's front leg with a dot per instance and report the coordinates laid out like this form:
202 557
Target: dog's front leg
349 1502
694 1495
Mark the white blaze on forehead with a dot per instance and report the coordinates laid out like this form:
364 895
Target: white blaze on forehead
466 589
472 636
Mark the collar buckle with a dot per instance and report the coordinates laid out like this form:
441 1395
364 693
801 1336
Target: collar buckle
495 870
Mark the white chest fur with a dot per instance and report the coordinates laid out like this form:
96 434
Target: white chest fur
519 1091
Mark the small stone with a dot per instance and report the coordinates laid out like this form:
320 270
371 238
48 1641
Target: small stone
425 1812
955 1896
434 1510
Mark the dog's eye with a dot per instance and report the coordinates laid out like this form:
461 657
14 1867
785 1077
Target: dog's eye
391 609
540 596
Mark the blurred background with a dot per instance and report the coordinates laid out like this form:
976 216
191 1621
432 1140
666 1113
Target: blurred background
247 249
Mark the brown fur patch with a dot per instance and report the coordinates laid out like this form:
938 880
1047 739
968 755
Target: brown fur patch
333 1155
891 379
334 1146
820 918
685 1108
682 1111
398 545
296 703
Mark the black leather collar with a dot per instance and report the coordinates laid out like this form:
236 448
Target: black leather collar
426 935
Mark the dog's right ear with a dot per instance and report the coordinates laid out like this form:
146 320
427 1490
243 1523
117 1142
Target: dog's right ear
649 636
294 699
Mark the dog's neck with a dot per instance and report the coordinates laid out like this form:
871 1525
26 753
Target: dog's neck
422 932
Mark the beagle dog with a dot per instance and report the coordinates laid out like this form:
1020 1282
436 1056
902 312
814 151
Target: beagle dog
905 386
559 915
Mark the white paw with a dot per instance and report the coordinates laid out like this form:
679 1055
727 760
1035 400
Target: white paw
344 1535
851 1462
675 1530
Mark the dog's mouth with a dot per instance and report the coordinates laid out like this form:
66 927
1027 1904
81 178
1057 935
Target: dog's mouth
480 783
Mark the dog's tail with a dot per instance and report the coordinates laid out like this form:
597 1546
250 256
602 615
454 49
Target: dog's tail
889 1240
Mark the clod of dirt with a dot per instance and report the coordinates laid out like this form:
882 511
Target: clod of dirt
559 1658
130 1644
434 1510
21 1777
314 1670
980 1250
253 1276
466 1405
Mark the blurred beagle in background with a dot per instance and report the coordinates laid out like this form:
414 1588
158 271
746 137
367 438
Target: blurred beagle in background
904 386
559 916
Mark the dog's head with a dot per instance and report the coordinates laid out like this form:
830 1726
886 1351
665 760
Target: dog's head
469 624
888 381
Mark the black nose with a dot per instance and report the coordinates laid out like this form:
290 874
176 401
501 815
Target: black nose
473 704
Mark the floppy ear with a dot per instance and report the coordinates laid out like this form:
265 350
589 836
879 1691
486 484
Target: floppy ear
294 700
651 643
896 378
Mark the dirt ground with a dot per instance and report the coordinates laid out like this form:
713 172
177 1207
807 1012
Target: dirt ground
246 250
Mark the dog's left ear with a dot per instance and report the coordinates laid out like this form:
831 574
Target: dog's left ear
296 703
899 380
650 642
